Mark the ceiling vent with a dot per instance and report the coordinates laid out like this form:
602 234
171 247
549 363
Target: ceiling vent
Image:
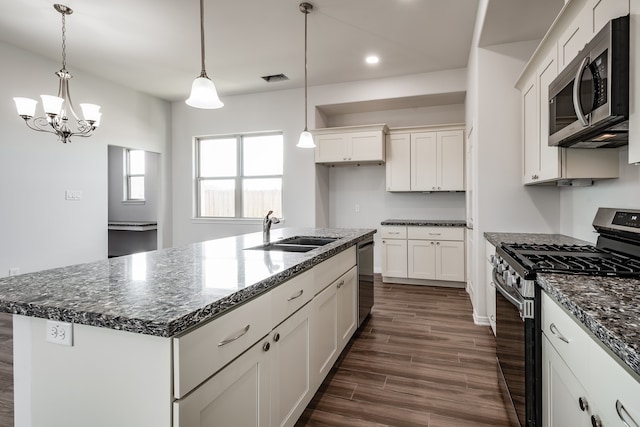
275 78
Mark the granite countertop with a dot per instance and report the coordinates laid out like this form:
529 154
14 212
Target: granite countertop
168 291
426 222
609 307
532 238
132 225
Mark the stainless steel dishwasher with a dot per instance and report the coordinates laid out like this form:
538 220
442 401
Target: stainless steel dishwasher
365 279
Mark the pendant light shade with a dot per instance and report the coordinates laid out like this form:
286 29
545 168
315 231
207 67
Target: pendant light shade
203 91
306 139
204 94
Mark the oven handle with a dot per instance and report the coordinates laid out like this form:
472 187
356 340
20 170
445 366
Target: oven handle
576 92
513 300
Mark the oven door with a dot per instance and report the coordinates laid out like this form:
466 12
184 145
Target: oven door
515 350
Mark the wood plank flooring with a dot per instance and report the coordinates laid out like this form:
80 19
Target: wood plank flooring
419 360
6 370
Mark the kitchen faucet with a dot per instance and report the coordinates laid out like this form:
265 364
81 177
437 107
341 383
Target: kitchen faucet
266 227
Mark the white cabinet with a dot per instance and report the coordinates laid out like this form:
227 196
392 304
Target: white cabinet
564 400
347 289
425 159
417 254
583 383
238 395
634 84
353 144
542 164
394 251
324 329
291 388
490 287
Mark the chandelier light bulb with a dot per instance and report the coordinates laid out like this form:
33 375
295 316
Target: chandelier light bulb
26 106
204 94
51 104
306 140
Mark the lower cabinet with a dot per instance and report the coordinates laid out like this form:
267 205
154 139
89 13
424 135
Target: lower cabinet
347 288
423 253
490 289
238 395
565 402
291 388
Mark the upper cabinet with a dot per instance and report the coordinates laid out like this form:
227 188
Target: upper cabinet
425 159
577 23
351 144
634 84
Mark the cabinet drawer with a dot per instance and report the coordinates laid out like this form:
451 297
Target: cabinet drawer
566 336
436 233
287 298
202 352
393 232
329 270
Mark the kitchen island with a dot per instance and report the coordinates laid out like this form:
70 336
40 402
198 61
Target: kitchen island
134 359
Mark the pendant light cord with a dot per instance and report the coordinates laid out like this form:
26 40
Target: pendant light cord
306 14
203 73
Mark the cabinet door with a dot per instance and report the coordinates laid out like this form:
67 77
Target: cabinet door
365 146
398 163
422 259
424 152
451 160
561 392
531 150
549 156
450 261
290 363
490 251
330 148
347 307
324 330
601 12
574 38
394 258
238 395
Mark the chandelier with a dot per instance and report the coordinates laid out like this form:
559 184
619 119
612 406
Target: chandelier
59 116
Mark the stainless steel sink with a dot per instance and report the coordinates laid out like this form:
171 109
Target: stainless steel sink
296 244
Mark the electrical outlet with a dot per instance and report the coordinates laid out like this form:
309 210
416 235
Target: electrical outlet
60 333
357 208
73 195
14 271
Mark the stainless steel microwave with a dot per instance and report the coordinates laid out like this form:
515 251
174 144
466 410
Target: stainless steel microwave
589 99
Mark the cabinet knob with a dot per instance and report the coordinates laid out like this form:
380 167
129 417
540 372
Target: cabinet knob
493 318
584 405
266 346
276 337
438 243
596 421
433 188
341 284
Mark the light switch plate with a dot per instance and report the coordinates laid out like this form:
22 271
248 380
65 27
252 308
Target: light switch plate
73 195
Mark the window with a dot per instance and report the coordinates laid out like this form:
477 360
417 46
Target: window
239 176
135 174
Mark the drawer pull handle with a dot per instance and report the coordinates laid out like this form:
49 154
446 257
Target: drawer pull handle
435 234
620 408
341 284
298 295
556 332
394 232
232 339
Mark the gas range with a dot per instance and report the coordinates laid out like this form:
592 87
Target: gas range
617 253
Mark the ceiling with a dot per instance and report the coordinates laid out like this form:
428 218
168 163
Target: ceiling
153 45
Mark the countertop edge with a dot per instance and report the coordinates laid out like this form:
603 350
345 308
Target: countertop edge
615 344
425 222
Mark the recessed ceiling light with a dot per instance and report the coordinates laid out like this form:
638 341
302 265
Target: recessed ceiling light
372 59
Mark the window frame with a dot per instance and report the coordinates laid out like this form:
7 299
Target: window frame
129 175
238 179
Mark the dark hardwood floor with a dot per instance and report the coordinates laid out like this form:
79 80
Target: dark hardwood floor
419 360
6 370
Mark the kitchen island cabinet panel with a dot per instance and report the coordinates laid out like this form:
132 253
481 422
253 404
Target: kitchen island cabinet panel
239 395
324 329
291 388
347 290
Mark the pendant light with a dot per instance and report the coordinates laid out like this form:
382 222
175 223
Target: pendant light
306 139
60 117
203 91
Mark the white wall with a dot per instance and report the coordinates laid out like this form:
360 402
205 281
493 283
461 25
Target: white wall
307 188
578 205
40 229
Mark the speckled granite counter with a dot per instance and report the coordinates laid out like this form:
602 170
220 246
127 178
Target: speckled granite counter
532 238
426 222
609 307
169 291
